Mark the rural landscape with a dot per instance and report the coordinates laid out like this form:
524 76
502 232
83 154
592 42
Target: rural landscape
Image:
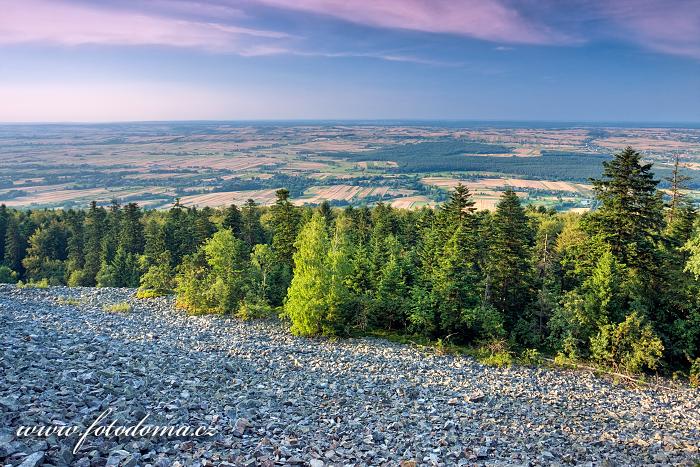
406 165
327 233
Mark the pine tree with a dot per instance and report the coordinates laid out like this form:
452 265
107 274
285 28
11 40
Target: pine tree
509 271
75 263
327 212
131 237
251 230
233 220
285 226
389 303
14 248
47 253
630 217
4 221
93 229
204 228
678 184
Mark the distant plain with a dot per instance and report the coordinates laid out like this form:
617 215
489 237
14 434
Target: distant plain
408 165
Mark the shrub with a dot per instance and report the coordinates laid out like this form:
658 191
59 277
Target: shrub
530 357
7 275
495 353
121 307
253 309
78 278
149 293
42 284
630 345
500 359
158 280
695 373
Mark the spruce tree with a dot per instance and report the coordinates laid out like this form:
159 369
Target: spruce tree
630 215
233 220
93 230
285 226
252 232
47 253
76 255
4 221
509 270
14 250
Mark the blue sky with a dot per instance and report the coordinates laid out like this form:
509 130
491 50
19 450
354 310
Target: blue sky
576 60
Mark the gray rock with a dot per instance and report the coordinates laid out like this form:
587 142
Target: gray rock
275 399
33 460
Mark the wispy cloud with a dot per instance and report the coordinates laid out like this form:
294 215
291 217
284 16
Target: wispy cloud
491 20
57 22
667 26
231 26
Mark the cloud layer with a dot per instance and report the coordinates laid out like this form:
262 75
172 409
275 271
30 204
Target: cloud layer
57 22
489 20
664 26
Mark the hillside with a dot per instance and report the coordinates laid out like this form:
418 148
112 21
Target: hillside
275 399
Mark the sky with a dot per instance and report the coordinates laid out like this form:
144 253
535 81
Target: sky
551 60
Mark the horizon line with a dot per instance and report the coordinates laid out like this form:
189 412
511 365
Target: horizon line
632 123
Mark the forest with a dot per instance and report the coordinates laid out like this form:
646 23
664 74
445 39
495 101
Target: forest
618 286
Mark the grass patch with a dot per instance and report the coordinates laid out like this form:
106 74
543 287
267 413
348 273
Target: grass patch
42 284
69 301
150 293
122 307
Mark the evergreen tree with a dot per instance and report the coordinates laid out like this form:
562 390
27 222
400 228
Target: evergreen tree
233 220
75 263
509 271
47 253
388 310
131 237
204 228
14 246
252 231
285 226
326 211
630 216
4 221
93 230
678 182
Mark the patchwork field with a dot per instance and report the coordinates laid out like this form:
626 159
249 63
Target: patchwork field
407 165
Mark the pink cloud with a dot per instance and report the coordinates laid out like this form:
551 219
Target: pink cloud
489 20
51 21
667 26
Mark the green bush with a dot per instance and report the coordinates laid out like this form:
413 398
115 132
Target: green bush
530 357
630 345
78 278
42 284
695 373
495 353
254 309
7 275
149 293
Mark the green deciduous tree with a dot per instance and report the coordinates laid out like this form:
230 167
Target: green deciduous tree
318 295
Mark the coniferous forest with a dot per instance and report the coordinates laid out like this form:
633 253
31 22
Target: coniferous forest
618 286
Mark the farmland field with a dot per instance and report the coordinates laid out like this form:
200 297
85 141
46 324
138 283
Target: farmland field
404 164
